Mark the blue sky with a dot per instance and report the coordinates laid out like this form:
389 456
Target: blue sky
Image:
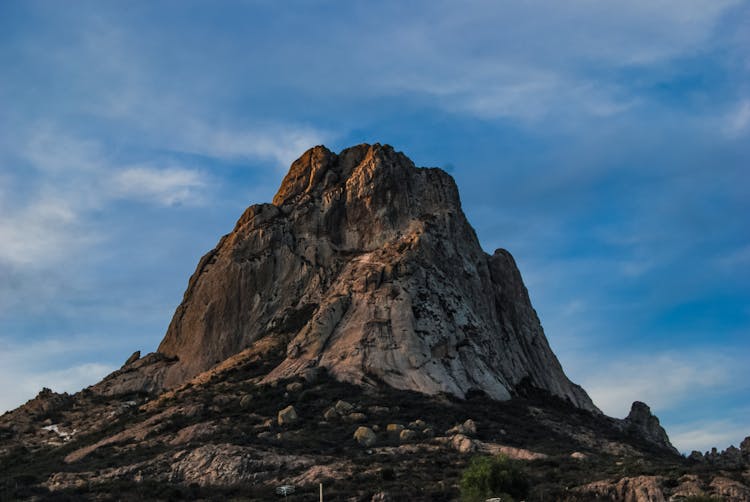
605 144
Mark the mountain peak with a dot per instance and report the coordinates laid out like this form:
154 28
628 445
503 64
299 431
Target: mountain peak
366 266
319 169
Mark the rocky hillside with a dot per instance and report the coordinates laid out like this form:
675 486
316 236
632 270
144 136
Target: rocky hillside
227 435
352 333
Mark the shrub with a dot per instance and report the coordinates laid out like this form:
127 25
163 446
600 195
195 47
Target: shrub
487 477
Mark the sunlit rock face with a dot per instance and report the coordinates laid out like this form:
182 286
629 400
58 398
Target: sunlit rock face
366 265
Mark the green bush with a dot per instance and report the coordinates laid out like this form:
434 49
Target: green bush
487 477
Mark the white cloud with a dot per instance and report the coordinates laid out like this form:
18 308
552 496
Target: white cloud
660 380
66 178
22 385
704 435
738 119
527 60
26 368
281 143
44 230
167 186
50 149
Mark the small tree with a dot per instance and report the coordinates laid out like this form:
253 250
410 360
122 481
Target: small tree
488 477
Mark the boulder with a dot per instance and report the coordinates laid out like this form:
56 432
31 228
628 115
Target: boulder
294 387
246 402
394 429
287 415
365 436
343 408
356 417
469 427
462 444
417 424
407 435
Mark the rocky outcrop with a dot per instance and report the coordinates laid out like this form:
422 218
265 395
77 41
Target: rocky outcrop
365 436
642 422
366 266
634 489
138 374
730 458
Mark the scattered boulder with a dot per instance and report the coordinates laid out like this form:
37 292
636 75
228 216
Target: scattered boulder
417 425
356 417
343 408
577 455
394 428
330 414
246 402
466 428
407 435
365 436
287 416
462 444
294 387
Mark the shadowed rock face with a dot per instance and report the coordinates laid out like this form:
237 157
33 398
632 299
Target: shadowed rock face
643 422
369 268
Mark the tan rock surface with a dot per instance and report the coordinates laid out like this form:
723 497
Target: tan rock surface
367 265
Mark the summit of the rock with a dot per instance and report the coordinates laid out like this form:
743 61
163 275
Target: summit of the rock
365 265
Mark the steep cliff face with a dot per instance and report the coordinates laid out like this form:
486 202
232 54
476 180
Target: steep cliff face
367 266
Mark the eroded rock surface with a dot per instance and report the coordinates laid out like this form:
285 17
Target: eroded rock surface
368 267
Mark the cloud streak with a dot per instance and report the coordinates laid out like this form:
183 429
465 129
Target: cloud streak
26 368
704 435
167 186
662 380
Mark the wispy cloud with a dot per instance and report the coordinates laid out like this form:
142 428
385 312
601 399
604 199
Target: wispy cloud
734 258
704 435
519 64
42 230
26 368
280 143
661 380
738 119
164 186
